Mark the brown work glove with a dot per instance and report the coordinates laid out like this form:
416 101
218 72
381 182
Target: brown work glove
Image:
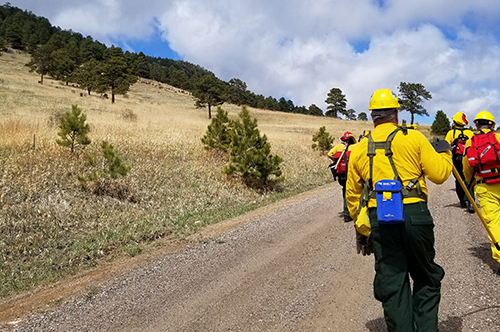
364 244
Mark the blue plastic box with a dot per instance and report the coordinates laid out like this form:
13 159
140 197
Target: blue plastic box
389 202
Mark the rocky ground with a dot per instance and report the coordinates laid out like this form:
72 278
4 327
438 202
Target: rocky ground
288 267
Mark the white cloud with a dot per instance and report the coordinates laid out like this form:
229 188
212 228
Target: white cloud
301 49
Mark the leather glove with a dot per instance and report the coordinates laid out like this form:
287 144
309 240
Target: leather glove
441 145
334 171
364 244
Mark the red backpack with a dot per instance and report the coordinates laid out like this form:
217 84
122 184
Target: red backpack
483 155
343 163
458 145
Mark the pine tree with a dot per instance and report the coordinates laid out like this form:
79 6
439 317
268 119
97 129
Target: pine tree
141 67
209 91
217 135
323 140
41 61
237 92
87 76
336 103
315 110
115 76
73 129
411 95
2 45
350 114
441 124
362 116
62 65
250 156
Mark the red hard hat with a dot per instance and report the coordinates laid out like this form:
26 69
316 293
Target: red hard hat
346 136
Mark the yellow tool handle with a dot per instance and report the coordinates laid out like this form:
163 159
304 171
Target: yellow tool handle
471 200
341 155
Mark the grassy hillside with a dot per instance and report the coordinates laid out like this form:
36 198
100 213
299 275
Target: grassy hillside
50 226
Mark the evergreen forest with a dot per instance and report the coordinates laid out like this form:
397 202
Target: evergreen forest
70 57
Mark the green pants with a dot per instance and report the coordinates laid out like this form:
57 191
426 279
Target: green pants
345 210
402 251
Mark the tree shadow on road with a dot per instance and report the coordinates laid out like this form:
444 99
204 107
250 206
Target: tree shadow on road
452 324
376 325
483 252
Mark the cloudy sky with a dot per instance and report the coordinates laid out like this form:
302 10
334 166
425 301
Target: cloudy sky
300 49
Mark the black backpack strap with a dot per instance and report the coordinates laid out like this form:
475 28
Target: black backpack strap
373 146
386 145
413 189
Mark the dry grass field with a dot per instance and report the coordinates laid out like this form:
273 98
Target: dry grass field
51 227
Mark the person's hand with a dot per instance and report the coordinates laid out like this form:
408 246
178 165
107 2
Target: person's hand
364 244
334 171
441 145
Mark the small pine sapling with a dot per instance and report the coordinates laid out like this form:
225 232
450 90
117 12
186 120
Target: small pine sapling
116 166
250 156
73 130
100 179
323 140
217 134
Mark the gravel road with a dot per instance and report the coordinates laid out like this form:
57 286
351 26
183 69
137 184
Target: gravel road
291 266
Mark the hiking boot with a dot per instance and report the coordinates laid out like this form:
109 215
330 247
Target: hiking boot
470 208
347 218
463 204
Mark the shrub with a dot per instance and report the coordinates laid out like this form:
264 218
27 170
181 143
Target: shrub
323 140
129 115
73 130
250 156
217 134
102 174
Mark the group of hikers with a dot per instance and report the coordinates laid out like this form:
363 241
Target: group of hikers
383 179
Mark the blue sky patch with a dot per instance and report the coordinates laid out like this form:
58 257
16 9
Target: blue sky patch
360 45
450 33
380 3
155 46
470 21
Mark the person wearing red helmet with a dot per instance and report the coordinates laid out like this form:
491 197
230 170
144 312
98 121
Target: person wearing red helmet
339 155
458 137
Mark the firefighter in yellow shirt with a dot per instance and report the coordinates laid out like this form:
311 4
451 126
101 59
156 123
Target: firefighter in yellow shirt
484 173
458 137
387 173
339 155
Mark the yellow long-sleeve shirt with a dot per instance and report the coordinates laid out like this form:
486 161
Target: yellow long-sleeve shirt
413 154
338 148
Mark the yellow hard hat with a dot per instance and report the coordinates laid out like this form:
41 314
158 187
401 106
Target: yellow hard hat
484 115
383 99
460 119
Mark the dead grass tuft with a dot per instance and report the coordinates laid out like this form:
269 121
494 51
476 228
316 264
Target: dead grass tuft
129 115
